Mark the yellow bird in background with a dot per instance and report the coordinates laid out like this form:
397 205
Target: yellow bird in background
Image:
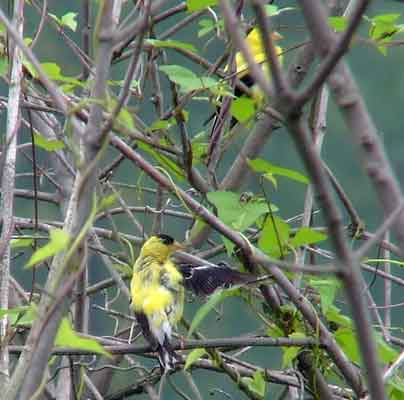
157 289
256 46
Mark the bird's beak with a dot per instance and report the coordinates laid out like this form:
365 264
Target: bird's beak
276 36
177 246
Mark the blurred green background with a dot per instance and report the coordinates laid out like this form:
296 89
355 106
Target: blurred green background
381 80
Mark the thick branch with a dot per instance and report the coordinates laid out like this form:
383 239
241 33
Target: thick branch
8 183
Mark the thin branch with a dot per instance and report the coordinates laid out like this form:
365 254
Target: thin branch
52 89
357 119
331 60
224 343
356 222
281 85
387 286
381 230
131 31
233 29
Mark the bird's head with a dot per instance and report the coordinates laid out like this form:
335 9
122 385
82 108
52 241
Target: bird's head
160 247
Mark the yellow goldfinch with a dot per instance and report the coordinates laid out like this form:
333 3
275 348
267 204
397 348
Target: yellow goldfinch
158 295
256 46
157 290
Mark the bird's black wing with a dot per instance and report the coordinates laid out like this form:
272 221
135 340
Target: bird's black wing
145 327
205 279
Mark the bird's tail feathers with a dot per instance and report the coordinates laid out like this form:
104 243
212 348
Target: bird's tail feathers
167 356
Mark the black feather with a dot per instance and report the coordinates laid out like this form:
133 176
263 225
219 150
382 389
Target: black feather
166 239
144 326
248 81
205 279
166 354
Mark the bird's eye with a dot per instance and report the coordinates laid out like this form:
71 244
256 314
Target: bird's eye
167 240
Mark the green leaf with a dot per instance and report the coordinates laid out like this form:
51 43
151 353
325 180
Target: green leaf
196 5
199 151
193 356
30 68
11 311
164 161
239 211
383 26
48 145
306 236
67 337
387 19
123 269
327 289
207 307
346 338
198 227
126 119
175 44
387 353
275 233
262 166
162 124
107 202
275 331
18 243
243 109
339 24
383 49
188 81
290 353
25 315
395 388
334 314
53 72
69 20
59 240
382 260
185 78
208 25
256 384
272 10
56 18
3 66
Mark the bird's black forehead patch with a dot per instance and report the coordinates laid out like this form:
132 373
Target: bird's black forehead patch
166 239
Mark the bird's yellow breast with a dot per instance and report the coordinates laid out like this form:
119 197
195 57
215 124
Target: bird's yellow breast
157 288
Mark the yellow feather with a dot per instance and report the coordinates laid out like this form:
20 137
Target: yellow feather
156 300
256 47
